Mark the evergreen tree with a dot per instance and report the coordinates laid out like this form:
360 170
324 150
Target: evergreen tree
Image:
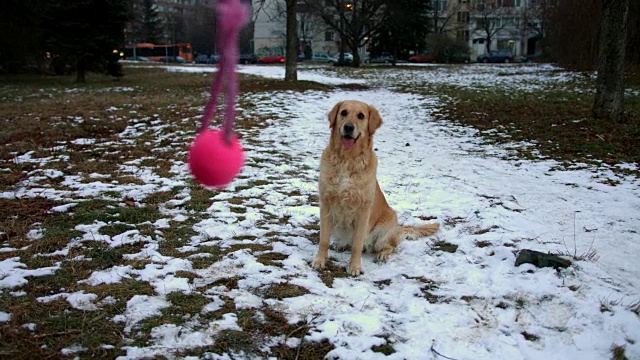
404 28
20 35
82 34
151 22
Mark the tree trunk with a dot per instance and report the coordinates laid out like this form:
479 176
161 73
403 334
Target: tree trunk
609 101
356 57
291 65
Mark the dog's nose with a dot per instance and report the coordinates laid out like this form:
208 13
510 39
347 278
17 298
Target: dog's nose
348 128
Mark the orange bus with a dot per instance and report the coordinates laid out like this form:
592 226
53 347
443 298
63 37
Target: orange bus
157 52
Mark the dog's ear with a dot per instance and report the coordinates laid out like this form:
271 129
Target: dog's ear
375 121
333 114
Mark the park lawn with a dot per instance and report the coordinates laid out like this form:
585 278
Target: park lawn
110 245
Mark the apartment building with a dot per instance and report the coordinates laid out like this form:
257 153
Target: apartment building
485 25
269 36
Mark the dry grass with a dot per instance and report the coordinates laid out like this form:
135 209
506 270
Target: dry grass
618 353
558 121
46 122
44 115
284 290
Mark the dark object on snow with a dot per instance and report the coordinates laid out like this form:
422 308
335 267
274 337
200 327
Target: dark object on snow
541 260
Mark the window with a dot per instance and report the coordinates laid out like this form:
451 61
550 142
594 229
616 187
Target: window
441 5
462 1
517 3
463 17
463 35
328 36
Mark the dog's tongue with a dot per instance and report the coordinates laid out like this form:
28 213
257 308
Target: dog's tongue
348 142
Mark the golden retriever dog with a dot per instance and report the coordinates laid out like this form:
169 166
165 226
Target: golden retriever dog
353 209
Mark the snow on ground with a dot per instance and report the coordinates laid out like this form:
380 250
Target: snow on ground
271 72
479 77
469 304
431 168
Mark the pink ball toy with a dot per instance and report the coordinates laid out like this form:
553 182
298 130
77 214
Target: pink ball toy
212 161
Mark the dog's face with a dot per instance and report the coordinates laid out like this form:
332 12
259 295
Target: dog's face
354 121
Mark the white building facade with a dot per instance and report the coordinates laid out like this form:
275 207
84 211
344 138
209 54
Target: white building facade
513 25
485 25
270 30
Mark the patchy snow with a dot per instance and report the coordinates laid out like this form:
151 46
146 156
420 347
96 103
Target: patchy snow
4 317
82 301
140 307
83 141
472 303
35 234
271 72
13 274
63 208
73 350
78 300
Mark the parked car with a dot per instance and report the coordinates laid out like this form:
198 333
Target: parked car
347 56
380 59
324 57
173 60
248 59
426 58
140 59
276 59
496 57
207 59
347 60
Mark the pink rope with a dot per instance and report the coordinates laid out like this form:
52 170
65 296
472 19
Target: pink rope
231 16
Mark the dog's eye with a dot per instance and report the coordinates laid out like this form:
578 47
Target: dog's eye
344 113
361 116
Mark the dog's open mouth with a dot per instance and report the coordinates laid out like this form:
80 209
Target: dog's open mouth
348 141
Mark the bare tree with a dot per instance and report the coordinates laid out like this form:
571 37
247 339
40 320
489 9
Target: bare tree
609 100
310 26
291 65
444 18
283 11
490 18
354 20
533 23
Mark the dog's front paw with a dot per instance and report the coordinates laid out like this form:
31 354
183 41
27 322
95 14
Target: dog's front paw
320 263
355 269
383 255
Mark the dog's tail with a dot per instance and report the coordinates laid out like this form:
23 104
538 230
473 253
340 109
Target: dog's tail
414 232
